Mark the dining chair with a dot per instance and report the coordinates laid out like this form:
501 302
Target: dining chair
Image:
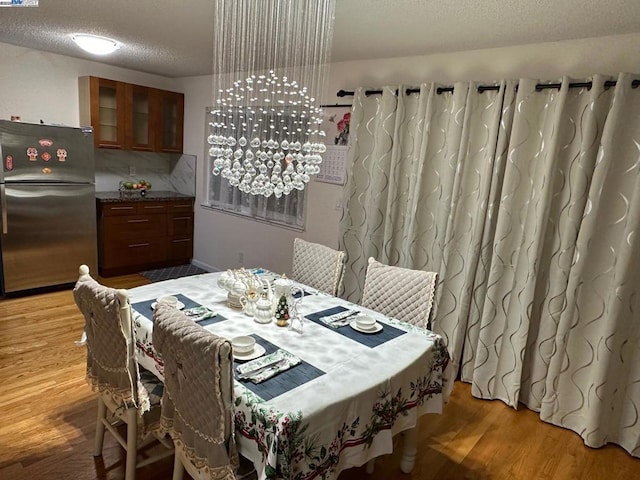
400 293
318 266
126 392
197 405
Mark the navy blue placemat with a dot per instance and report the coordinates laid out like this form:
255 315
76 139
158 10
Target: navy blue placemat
369 339
284 381
144 308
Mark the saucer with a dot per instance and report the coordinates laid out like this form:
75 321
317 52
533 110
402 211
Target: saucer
376 328
257 351
179 305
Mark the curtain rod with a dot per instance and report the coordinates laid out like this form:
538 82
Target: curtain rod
484 88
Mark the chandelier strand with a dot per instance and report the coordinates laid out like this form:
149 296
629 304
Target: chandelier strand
271 57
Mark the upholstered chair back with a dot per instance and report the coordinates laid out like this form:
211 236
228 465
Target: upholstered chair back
197 406
401 293
318 266
111 365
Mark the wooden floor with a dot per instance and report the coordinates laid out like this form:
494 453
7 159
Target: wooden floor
48 417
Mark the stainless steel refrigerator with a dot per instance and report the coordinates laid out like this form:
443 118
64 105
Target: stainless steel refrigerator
47 204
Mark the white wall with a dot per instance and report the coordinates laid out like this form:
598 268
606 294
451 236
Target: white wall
220 238
38 85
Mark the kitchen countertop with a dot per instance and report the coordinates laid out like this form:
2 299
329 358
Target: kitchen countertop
106 197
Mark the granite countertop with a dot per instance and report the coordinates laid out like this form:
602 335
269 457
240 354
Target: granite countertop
134 196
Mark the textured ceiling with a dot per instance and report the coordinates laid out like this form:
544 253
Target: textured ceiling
173 38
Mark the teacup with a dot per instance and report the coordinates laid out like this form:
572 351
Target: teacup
243 344
169 300
365 322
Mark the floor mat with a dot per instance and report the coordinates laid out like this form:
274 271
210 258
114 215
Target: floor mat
172 272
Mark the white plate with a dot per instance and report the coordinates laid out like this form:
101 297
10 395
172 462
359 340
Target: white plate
376 328
257 351
179 305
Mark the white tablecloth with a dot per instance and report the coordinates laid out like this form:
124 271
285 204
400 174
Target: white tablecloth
341 418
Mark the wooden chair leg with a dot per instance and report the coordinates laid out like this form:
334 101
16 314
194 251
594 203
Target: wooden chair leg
102 414
132 444
178 467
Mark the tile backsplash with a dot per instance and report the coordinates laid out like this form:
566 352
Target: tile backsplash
165 171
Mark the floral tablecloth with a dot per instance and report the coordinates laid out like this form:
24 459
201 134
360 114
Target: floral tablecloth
340 416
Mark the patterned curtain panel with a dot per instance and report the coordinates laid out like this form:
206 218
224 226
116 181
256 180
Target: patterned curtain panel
527 204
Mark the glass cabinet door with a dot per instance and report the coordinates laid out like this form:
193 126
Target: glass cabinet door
171 121
140 111
107 118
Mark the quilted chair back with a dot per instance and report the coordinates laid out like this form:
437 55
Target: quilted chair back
111 365
401 293
197 405
318 266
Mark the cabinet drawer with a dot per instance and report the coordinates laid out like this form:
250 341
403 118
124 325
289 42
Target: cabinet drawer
134 226
122 252
181 206
180 224
151 208
179 248
119 208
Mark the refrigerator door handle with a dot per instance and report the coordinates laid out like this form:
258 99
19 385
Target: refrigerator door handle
3 206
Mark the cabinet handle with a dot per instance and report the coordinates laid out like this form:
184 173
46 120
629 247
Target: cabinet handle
138 245
181 218
182 240
120 208
138 221
153 206
182 206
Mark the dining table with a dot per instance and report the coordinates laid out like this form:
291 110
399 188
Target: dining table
340 404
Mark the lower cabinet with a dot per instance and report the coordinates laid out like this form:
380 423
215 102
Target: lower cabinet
143 235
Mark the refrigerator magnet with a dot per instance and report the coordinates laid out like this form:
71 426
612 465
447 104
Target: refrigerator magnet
62 155
46 170
32 153
45 142
46 156
8 162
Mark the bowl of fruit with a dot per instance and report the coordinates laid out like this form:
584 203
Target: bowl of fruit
131 188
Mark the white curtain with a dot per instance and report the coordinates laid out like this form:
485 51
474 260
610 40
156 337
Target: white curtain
526 202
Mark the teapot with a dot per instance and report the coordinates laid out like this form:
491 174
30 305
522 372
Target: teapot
263 310
226 279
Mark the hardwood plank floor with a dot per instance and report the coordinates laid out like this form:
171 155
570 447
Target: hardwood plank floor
48 417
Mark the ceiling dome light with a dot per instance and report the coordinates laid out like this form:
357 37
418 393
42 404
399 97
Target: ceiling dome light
95 44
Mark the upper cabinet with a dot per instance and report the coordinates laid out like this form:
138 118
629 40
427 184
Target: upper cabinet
132 117
102 107
171 113
141 116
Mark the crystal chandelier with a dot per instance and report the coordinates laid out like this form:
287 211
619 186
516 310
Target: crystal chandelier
270 59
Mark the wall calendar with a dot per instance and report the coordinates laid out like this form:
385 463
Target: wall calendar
333 166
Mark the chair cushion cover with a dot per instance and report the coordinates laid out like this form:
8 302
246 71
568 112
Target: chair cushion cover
318 266
109 367
399 292
197 405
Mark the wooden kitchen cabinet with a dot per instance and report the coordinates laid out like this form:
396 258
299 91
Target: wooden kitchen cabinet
132 117
141 118
171 121
144 235
102 105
